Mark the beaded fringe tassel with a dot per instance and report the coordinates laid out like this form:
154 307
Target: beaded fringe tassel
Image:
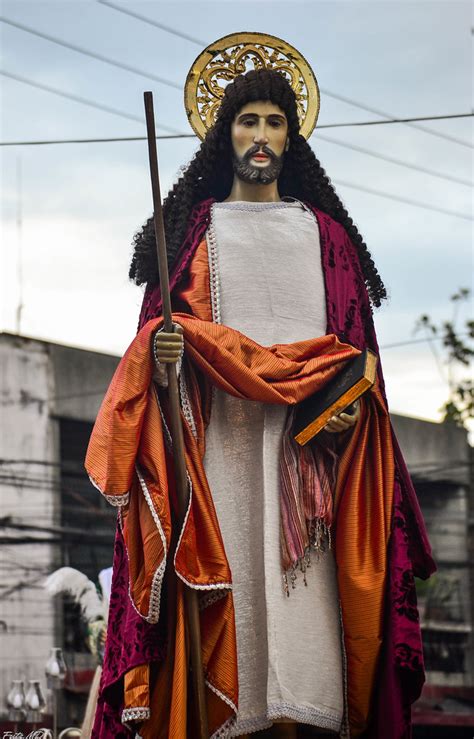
320 542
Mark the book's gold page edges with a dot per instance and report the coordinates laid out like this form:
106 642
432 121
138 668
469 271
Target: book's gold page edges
346 399
370 369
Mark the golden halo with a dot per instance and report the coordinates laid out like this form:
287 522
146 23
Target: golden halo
235 54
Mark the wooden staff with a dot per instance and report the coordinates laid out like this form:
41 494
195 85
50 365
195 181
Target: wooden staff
191 601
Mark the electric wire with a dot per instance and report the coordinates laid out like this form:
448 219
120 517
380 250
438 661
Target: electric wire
178 136
88 508
144 73
344 144
394 119
151 22
390 116
9 461
401 199
399 162
421 341
82 100
107 513
340 98
92 54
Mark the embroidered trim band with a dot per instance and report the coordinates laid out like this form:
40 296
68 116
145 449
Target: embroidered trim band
120 499
135 714
155 594
213 270
210 586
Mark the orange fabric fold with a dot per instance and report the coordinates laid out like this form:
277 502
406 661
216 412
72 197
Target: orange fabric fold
363 507
129 432
137 687
195 295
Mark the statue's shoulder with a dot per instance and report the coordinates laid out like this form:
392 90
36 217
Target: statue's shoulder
338 250
329 228
198 222
201 213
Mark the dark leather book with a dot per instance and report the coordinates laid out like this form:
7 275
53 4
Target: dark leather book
345 388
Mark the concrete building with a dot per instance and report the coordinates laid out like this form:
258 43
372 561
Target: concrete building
51 516
438 458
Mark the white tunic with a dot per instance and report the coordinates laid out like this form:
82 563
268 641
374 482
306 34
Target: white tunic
267 258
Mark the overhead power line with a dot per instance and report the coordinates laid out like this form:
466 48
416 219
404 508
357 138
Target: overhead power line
427 464
83 101
112 139
136 118
92 54
154 23
6 522
47 463
420 341
8 540
170 83
334 95
392 160
390 117
403 120
401 199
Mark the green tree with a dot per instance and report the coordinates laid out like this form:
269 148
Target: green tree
457 356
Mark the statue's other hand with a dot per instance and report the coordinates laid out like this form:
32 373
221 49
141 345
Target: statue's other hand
343 421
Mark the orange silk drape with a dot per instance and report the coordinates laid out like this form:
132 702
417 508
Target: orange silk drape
129 431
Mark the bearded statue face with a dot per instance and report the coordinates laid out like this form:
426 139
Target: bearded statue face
259 134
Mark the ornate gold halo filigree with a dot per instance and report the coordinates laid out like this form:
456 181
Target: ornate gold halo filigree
236 54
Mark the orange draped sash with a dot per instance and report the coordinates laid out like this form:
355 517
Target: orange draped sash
127 459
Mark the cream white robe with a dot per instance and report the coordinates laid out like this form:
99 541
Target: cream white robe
266 263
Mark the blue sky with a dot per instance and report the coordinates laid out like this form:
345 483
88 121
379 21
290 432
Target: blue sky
79 204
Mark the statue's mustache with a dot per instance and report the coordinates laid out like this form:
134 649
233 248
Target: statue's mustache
257 148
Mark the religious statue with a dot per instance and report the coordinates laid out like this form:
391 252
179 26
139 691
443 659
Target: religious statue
303 557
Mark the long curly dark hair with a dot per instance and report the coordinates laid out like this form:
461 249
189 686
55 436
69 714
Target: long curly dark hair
210 174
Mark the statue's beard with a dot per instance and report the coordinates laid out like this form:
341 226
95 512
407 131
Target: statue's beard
248 172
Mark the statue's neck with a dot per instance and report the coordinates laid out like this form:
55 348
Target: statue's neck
255 193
